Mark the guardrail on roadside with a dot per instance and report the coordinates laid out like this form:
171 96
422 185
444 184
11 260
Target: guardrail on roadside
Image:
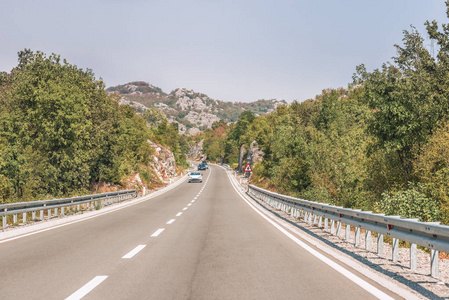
427 234
46 207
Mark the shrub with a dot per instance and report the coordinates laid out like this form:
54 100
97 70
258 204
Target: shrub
411 203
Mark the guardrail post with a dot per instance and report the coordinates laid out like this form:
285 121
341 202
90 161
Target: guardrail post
320 221
56 212
338 228
395 250
348 232
368 240
33 215
305 216
357 236
62 211
434 263
49 213
14 219
41 213
315 218
413 257
24 217
380 244
309 219
4 218
326 222
332 226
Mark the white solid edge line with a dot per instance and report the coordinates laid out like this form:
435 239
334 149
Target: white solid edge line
86 288
157 232
171 221
179 214
134 251
354 278
100 213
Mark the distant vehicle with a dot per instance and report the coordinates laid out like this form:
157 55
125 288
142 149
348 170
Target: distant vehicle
195 177
205 163
202 167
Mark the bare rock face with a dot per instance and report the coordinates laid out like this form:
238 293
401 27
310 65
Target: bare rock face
255 155
193 131
182 129
165 108
201 118
190 100
137 106
163 162
196 152
242 154
196 111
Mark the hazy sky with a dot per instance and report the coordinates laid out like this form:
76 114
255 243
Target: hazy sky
230 50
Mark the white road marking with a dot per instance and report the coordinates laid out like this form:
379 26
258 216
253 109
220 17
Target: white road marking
189 204
192 201
171 221
87 288
185 208
196 197
157 232
354 278
178 214
134 251
99 213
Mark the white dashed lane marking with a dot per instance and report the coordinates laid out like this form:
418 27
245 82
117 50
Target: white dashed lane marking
179 214
87 288
170 222
134 251
189 204
157 232
185 208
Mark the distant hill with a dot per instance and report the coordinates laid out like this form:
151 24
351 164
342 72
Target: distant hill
193 111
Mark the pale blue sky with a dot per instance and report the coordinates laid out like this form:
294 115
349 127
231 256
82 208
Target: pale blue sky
230 50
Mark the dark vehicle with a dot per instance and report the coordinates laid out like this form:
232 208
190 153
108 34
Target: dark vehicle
202 167
205 163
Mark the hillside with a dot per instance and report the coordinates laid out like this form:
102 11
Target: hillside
193 111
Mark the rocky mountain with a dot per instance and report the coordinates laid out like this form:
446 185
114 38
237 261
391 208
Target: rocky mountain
192 111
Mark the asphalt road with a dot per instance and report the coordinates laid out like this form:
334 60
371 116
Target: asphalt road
196 241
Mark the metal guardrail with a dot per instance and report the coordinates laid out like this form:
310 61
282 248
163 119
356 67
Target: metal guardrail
46 207
427 234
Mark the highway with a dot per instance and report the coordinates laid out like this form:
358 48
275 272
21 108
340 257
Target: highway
196 241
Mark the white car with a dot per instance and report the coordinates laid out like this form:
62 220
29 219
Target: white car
195 176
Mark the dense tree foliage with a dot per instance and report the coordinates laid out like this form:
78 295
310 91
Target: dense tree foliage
379 145
60 132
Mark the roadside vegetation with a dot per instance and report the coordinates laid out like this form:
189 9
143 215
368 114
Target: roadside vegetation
61 133
381 144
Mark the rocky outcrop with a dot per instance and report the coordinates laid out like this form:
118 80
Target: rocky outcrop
136 105
255 155
193 131
188 100
242 154
196 152
201 119
163 162
196 111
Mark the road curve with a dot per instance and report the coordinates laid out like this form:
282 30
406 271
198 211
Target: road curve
196 241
